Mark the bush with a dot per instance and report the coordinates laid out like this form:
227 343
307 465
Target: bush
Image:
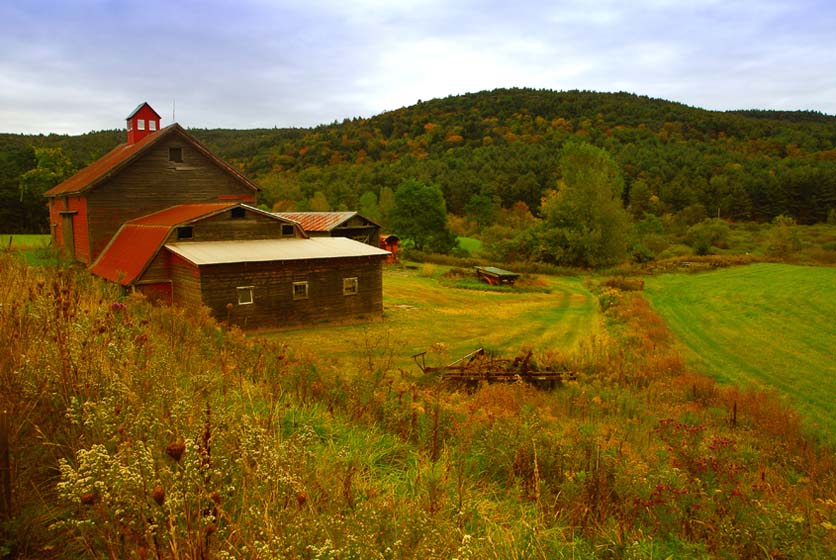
707 234
640 253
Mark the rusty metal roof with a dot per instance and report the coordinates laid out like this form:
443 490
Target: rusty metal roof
319 221
129 252
123 154
265 250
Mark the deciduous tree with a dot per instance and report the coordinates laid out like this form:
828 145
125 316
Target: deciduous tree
420 215
585 223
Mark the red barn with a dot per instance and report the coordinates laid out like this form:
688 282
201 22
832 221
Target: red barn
156 168
164 216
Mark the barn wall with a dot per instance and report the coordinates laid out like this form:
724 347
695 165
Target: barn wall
224 227
81 245
273 304
185 280
56 205
82 240
153 183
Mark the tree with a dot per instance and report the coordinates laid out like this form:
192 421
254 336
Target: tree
53 166
585 223
420 215
319 202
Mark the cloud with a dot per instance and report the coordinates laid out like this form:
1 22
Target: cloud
73 67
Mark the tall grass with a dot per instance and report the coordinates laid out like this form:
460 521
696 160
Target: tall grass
145 432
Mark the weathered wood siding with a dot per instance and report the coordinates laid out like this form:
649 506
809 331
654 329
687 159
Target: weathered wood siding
153 183
185 280
273 304
224 227
359 229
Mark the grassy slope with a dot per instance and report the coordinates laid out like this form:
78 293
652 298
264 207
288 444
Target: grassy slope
419 312
765 324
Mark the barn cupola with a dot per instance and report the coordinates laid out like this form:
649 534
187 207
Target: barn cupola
143 121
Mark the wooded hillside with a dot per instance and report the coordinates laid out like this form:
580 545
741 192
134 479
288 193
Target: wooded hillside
493 149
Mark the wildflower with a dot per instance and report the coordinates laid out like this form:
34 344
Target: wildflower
175 449
158 494
117 306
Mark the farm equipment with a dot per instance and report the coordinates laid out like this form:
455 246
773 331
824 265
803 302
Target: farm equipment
481 366
496 276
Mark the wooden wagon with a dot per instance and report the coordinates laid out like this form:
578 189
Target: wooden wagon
496 276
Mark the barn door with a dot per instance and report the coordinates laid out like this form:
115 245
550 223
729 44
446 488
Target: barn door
67 232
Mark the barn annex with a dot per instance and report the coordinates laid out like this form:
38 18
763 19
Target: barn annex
336 224
163 215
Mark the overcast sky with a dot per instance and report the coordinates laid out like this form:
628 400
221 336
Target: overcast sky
71 66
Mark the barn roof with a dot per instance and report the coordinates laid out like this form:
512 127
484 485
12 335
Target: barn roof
124 154
138 241
265 250
140 106
320 221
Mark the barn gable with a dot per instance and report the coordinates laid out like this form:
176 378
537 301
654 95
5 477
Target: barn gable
157 171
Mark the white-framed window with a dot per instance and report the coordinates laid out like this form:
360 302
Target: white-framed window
350 286
245 295
300 290
152 125
140 124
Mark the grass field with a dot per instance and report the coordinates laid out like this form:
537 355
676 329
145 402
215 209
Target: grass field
21 241
419 311
764 325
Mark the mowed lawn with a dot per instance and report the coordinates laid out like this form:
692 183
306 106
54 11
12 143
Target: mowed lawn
763 325
420 312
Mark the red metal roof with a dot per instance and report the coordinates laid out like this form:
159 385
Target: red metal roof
140 106
123 154
182 214
318 221
129 252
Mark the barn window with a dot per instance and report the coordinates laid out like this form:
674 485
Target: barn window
288 231
237 212
175 155
152 125
140 124
349 286
300 290
185 232
245 295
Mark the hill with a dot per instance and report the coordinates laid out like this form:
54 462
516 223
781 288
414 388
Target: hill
501 147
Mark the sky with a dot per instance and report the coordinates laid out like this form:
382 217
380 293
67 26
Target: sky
73 66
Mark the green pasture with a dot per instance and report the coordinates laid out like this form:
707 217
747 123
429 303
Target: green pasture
24 241
420 311
765 325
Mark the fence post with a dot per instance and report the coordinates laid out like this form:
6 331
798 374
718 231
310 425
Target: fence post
5 468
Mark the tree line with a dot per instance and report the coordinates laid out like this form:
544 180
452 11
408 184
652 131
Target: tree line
494 152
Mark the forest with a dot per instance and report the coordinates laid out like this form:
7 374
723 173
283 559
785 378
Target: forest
495 156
